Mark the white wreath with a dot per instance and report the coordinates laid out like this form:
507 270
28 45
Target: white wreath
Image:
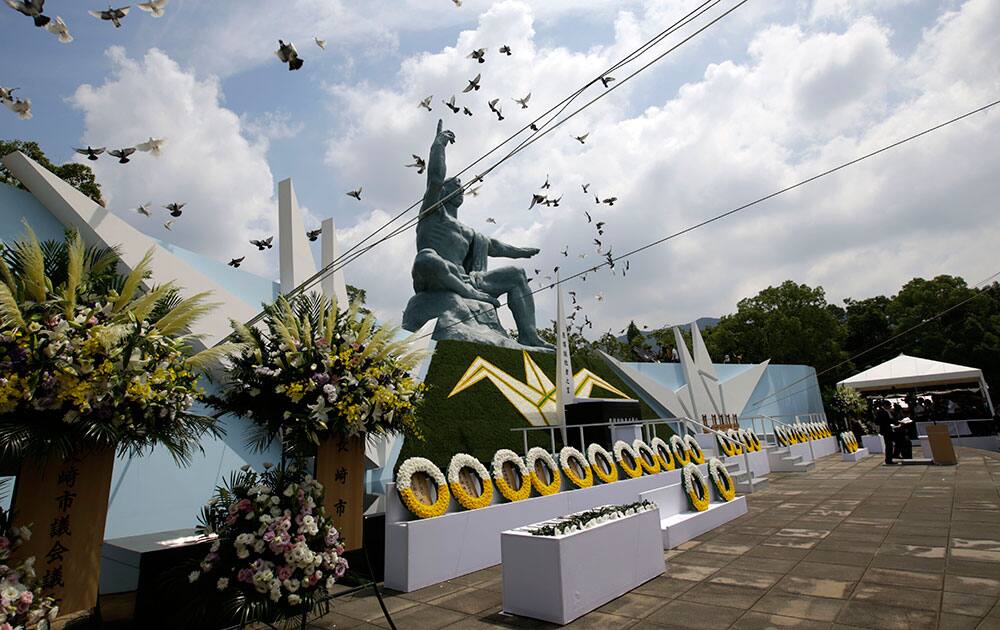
677 444
569 452
404 476
692 445
505 455
464 460
621 447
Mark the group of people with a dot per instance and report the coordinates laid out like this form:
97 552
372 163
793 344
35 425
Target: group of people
894 427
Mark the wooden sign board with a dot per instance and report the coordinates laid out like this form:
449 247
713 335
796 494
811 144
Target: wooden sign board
66 503
942 450
340 467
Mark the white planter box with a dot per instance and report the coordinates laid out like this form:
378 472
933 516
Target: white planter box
422 552
856 456
825 446
559 579
874 443
679 525
760 465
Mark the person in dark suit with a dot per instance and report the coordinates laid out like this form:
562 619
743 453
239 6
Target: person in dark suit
884 421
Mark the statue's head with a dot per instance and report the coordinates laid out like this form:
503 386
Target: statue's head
452 193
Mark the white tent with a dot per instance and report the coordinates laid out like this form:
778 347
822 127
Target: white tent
906 372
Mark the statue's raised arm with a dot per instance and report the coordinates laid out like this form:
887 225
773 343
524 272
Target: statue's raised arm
437 170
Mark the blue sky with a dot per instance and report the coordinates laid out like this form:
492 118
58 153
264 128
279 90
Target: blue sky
727 117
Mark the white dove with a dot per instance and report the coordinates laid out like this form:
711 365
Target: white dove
153 145
153 7
20 107
320 42
58 27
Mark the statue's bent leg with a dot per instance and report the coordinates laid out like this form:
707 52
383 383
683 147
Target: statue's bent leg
431 272
514 282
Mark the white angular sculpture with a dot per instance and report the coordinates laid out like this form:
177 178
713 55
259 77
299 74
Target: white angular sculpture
296 263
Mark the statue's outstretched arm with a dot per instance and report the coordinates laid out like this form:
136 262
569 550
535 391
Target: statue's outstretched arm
499 249
437 170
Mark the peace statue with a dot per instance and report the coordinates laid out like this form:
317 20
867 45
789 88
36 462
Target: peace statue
450 277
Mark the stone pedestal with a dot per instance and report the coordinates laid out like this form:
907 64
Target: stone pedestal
459 319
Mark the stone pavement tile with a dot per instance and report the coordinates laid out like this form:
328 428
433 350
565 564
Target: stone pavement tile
754 530
910 579
689 572
973 568
700 559
743 577
724 548
474 579
782 553
366 607
499 619
916 539
803 544
843 572
334 620
817 587
686 546
801 606
967 604
665 587
761 621
723 595
882 617
957 622
601 621
979 555
867 548
852 535
469 601
769 565
691 615
840 557
434 591
920 599
968 584
801 532
420 617
632 605
908 563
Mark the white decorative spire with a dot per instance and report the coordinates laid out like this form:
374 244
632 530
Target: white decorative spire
333 283
295 259
565 385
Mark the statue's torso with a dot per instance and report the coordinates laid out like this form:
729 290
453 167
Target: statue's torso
445 235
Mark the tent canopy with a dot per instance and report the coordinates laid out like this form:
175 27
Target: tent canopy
906 371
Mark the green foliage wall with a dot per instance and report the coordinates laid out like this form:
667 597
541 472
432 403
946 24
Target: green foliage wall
479 420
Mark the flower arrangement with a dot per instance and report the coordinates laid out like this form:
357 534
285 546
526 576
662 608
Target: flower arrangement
422 506
313 371
509 471
849 442
277 555
538 462
21 603
646 457
695 487
722 480
681 455
589 518
88 360
663 453
694 450
628 459
463 489
575 467
602 463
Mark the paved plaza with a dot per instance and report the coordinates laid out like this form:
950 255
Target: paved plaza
848 545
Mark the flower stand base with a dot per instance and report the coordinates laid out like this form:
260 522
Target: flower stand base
67 501
678 524
874 443
422 552
825 446
559 579
856 456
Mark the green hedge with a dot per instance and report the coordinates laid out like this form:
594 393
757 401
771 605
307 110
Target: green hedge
479 420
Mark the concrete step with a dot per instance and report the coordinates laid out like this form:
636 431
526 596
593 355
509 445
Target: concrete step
757 484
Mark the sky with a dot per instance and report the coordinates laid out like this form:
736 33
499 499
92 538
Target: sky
771 94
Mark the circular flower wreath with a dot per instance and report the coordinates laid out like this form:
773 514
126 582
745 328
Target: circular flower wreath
725 488
506 465
628 459
538 460
781 436
575 467
663 453
602 463
754 439
745 441
849 442
727 446
417 505
737 441
647 458
694 449
695 487
462 488
681 455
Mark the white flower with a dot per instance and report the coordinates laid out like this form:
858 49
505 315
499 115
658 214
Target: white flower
193 576
222 584
294 599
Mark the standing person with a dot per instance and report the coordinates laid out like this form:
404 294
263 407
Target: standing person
884 422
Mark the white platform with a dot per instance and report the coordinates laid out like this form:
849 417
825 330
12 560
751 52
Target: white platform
856 456
559 579
679 525
422 552
760 466
874 443
825 446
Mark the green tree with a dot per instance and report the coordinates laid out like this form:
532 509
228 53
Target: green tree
76 175
790 323
636 343
867 324
850 408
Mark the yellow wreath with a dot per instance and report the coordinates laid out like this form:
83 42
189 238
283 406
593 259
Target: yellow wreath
501 459
696 488
722 480
681 454
647 458
694 450
538 460
461 487
602 463
623 453
416 504
782 436
567 456
726 446
663 453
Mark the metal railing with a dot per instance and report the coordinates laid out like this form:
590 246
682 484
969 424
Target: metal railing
646 426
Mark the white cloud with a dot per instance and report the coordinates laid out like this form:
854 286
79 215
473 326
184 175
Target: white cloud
805 98
208 162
